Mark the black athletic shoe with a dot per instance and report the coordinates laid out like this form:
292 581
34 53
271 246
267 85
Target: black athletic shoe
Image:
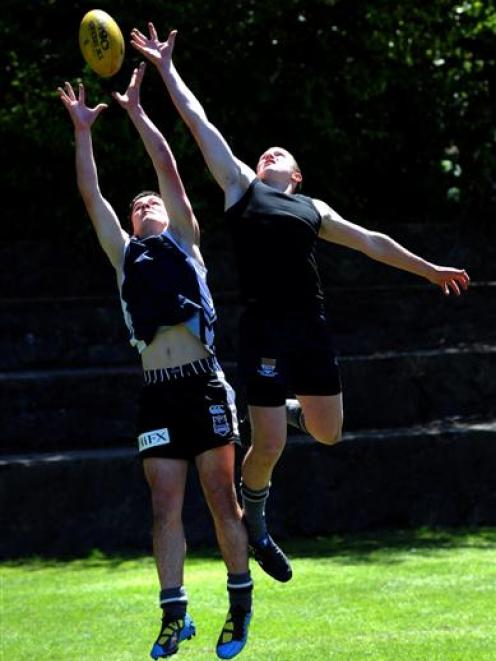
271 559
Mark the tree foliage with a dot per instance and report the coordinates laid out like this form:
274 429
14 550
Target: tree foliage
387 106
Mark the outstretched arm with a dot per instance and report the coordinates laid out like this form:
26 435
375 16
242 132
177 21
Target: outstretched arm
110 234
384 249
176 202
232 175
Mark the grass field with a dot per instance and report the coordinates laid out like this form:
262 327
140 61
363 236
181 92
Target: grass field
405 596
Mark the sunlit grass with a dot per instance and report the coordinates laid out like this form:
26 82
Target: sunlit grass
406 596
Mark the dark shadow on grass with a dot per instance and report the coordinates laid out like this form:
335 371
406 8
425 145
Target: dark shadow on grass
378 547
98 559
388 547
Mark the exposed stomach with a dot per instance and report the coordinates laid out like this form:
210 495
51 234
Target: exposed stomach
172 347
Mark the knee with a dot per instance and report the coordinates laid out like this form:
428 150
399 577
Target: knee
166 505
328 435
223 503
267 451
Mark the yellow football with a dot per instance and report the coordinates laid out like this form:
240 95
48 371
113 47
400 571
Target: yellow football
101 43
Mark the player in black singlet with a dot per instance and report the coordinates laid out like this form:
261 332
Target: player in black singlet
284 339
187 410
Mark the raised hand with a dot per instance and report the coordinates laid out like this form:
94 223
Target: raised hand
158 52
451 280
130 100
82 116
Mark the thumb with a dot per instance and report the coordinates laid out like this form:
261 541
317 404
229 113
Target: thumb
100 107
172 39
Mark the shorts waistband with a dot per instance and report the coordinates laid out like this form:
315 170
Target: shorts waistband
195 368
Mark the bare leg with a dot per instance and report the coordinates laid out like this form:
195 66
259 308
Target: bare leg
323 416
216 471
268 439
269 432
167 481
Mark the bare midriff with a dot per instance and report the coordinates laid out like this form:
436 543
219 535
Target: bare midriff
171 347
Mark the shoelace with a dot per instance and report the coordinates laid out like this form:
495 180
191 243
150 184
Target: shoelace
268 542
234 628
169 630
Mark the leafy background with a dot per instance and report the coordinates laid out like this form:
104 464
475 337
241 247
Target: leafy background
388 106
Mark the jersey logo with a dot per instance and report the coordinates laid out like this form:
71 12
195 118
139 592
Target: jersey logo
220 422
152 439
143 258
267 367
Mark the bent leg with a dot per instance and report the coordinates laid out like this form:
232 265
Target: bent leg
167 480
323 416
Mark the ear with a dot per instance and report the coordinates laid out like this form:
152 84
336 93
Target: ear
296 178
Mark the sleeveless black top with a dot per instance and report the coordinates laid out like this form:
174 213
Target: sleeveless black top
274 236
162 285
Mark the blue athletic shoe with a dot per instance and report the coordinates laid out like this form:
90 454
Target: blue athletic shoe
234 634
171 634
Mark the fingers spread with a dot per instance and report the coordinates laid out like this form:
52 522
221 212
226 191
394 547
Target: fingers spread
70 91
153 31
138 37
100 107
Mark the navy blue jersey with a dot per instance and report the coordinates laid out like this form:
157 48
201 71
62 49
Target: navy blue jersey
274 237
162 286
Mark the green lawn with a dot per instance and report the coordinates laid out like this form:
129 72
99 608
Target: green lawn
405 596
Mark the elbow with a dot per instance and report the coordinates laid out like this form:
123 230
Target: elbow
375 245
84 189
165 157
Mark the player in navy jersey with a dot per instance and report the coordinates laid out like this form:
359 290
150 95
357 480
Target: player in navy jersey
285 342
187 410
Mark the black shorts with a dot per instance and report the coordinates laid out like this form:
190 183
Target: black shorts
185 411
285 356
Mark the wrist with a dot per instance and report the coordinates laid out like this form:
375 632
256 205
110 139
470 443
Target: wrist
135 111
430 272
82 130
165 68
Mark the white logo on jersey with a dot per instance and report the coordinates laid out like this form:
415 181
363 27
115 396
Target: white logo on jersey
219 420
152 439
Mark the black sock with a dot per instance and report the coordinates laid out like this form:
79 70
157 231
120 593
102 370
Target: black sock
174 602
254 510
240 589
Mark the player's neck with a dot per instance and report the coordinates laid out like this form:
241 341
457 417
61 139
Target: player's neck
283 186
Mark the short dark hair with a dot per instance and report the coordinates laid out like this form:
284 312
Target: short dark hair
143 193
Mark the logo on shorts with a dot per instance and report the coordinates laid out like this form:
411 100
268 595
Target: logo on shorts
219 420
151 439
267 367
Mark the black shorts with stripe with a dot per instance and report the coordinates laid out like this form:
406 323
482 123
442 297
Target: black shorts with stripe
186 410
286 356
